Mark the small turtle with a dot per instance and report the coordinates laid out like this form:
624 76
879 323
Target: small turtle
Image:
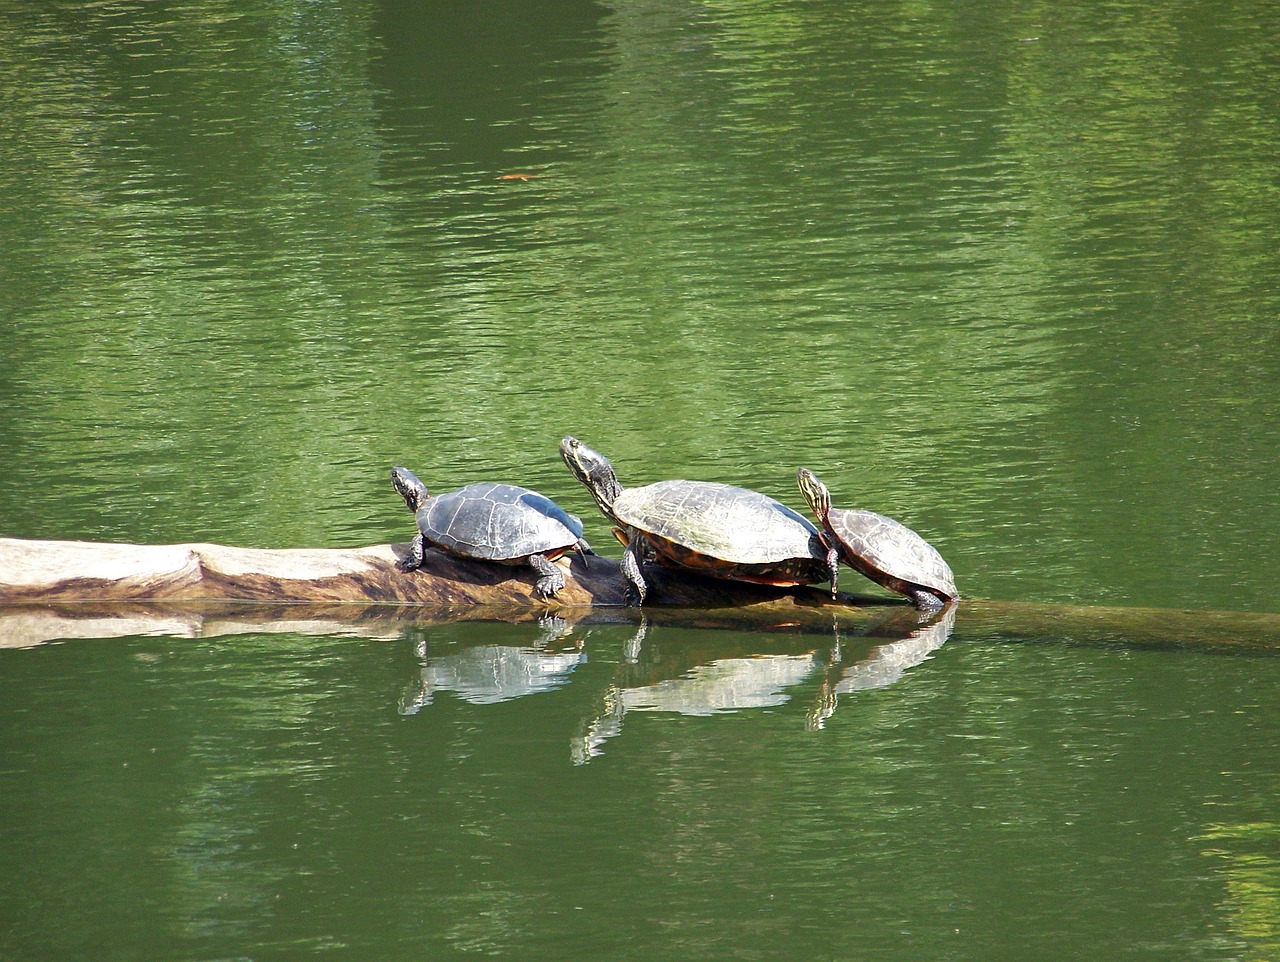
888 553
713 529
493 522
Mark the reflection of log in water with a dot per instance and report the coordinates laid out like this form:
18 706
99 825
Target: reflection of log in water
56 589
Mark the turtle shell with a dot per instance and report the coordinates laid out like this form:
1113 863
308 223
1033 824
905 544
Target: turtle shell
725 531
498 522
890 553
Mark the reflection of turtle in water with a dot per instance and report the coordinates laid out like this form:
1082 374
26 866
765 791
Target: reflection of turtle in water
493 522
888 553
713 529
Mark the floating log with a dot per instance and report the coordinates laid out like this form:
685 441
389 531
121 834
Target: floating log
70 589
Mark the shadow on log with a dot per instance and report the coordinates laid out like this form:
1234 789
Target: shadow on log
65 589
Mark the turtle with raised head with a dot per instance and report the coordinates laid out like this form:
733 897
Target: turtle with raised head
886 551
504 523
702 526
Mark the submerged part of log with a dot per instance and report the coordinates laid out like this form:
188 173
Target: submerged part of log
66 589
23 626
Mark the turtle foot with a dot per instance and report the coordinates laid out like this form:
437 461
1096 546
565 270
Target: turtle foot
551 581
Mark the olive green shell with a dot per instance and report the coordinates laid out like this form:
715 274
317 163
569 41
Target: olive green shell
725 531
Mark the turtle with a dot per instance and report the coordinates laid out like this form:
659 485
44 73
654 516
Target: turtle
885 550
492 522
713 529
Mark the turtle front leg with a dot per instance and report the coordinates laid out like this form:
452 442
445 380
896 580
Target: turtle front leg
631 558
552 579
417 552
833 569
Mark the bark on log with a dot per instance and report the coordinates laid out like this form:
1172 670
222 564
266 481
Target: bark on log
69 589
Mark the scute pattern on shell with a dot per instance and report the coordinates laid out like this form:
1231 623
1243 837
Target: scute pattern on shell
723 522
498 522
891 549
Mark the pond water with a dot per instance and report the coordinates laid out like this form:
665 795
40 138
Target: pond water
1005 272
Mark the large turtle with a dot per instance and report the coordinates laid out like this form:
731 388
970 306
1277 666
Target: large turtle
887 552
494 522
713 529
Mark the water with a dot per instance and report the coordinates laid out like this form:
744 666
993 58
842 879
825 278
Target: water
1005 273
274 796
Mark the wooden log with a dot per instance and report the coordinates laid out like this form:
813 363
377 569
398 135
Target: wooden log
68 589
53 571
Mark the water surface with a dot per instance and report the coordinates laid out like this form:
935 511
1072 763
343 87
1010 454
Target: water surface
1006 273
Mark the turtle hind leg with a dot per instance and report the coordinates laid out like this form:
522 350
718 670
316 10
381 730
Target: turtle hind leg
636 588
927 600
552 579
417 552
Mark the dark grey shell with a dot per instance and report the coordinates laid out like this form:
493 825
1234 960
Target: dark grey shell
498 522
720 521
890 553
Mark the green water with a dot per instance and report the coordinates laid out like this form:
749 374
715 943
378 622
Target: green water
1006 272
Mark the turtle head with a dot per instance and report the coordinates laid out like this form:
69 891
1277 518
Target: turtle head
594 470
816 493
409 487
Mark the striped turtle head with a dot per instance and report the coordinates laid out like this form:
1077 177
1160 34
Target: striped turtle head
594 470
409 487
816 493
